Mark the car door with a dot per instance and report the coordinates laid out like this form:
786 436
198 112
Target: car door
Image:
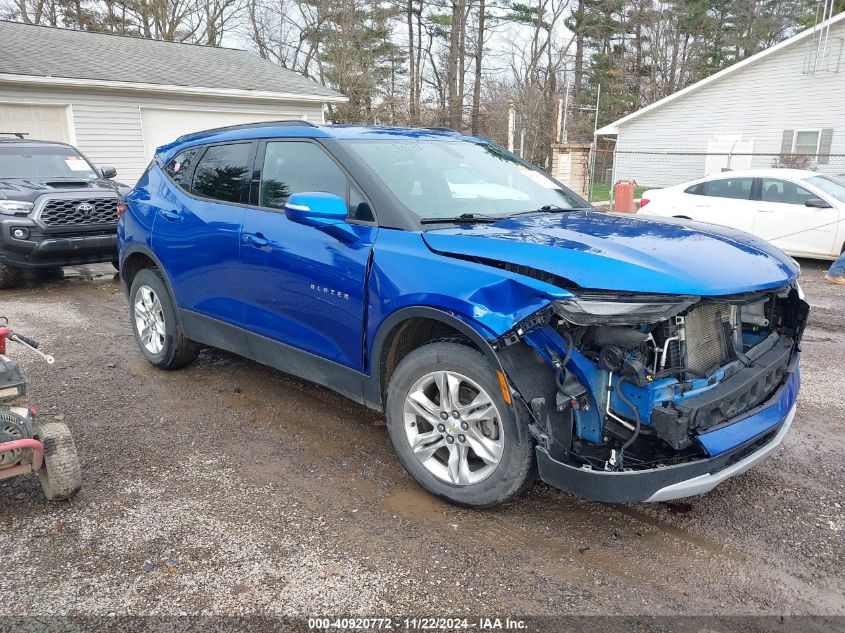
302 286
726 201
784 219
196 232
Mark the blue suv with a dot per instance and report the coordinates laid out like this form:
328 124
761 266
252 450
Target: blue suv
505 328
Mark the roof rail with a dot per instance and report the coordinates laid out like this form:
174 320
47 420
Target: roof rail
441 129
20 135
247 126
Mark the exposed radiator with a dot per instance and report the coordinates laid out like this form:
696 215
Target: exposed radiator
705 337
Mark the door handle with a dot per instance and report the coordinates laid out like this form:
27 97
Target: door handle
255 239
170 215
764 211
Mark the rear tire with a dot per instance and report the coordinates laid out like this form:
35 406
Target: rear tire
481 457
60 476
155 324
9 275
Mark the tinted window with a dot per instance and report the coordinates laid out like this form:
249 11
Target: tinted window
696 189
359 209
783 192
736 188
222 171
182 166
296 167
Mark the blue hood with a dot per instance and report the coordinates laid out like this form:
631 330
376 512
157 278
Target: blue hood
609 251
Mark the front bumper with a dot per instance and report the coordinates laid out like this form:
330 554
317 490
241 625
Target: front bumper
770 422
46 249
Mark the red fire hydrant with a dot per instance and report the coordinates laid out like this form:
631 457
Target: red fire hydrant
623 196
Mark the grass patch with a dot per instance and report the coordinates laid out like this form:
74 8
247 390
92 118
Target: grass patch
601 192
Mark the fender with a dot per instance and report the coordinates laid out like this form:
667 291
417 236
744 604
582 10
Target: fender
373 387
145 250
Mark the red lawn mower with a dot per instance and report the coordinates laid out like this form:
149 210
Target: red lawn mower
27 445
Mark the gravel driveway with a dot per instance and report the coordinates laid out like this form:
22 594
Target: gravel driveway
231 488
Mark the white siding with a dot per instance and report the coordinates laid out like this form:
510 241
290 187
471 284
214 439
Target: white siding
107 124
759 102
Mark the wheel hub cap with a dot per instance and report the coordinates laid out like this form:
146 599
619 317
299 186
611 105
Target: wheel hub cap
453 428
149 319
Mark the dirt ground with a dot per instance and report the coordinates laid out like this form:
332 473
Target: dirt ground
231 488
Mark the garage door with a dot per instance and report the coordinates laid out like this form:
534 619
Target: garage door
42 122
162 126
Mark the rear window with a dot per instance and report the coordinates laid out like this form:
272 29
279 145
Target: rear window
734 188
696 189
48 162
222 172
181 168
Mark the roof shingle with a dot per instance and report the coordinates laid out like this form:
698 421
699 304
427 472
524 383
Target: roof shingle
53 52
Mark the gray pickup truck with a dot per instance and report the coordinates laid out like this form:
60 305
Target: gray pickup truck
56 208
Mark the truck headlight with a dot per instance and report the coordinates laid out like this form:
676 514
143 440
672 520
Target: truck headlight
15 207
621 309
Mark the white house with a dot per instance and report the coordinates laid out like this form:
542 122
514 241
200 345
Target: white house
788 99
118 98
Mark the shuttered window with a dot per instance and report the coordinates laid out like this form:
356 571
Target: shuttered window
808 142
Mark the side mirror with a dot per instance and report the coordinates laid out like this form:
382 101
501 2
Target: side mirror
817 203
324 211
108 171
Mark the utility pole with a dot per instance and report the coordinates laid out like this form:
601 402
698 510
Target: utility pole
511 125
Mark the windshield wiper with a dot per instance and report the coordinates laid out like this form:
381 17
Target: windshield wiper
464 218
547 208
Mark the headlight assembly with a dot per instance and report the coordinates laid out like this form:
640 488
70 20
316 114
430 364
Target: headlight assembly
621 309
15 207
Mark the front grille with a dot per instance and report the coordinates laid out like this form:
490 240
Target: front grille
705 339
79 212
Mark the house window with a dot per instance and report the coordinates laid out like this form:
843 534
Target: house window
806 142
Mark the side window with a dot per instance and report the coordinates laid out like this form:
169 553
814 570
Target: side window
784 192
296 167
735 188
359 209
182 166
222 171
696 189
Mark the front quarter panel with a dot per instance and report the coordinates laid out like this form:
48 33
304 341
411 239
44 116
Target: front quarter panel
405 273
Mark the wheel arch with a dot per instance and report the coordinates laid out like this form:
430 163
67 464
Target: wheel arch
407 329
137 258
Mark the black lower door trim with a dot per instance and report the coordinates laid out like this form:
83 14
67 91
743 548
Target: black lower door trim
215 333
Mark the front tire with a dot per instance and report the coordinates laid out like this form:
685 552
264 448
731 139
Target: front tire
60 474
155 325
452 430
9 275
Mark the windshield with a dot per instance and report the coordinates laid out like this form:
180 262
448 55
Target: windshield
41 163
830 186
447 179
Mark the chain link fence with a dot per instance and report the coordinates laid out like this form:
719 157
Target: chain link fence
657 169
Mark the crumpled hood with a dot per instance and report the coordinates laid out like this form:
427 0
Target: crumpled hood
609 251
28 190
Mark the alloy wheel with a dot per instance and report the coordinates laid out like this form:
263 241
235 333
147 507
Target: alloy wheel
149 319
453 428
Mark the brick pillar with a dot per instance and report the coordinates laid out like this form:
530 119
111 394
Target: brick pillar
571 165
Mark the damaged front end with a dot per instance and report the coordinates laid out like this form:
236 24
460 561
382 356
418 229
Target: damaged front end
637 397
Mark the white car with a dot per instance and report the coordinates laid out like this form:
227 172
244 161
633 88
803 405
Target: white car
801 212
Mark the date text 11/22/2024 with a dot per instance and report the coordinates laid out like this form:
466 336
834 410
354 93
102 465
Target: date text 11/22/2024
417 624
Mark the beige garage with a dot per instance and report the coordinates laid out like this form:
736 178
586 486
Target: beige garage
162 125
118 112
48 122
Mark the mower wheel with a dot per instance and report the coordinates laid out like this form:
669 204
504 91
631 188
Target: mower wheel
60 475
